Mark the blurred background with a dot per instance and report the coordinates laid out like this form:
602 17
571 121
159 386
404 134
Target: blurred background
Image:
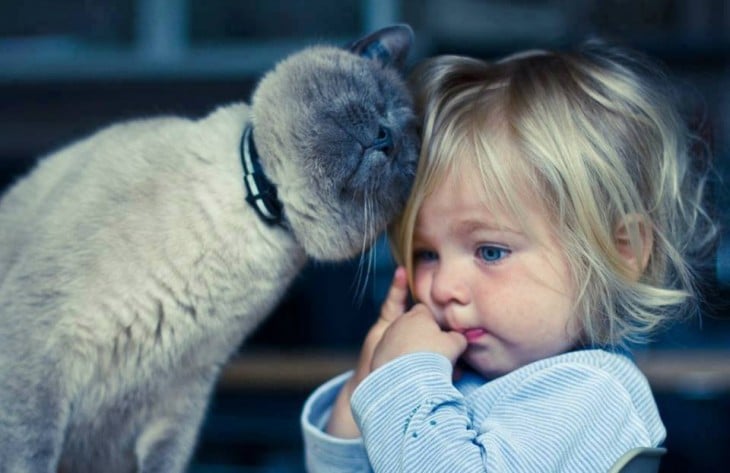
69 67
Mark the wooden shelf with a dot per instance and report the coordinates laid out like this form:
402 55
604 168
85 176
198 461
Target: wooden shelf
695 373
294 371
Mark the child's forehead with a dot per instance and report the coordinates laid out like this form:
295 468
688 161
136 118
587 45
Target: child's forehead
494 175
463 206
493 166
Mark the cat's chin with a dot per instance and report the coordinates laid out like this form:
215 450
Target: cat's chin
335 249
337 244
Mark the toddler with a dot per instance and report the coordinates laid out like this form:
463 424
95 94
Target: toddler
552 221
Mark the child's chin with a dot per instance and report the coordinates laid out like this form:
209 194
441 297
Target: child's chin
485 365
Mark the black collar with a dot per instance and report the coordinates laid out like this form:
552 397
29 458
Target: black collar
261 193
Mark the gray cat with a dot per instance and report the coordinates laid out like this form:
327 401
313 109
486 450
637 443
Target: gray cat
134 262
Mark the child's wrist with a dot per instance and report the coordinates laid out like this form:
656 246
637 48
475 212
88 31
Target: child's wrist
341 424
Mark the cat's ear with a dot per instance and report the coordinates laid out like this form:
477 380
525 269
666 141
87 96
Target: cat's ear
389 45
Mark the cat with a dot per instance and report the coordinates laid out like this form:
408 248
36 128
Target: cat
133 263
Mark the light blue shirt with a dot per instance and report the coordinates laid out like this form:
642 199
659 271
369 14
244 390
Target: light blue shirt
575 412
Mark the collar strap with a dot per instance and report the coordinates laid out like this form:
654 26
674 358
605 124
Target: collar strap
261 193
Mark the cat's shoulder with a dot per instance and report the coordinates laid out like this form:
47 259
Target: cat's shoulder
233 114
162 134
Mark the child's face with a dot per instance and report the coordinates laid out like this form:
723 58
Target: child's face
509 293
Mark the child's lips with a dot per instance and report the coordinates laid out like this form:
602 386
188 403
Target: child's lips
473 334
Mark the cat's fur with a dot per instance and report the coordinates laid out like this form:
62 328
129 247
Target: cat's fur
131 266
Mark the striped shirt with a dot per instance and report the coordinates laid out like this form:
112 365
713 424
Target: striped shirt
575 412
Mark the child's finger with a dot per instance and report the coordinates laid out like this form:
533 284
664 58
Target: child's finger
456 346
395 301
459 341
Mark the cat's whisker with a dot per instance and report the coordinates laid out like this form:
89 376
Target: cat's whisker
358 282
365 261
373 257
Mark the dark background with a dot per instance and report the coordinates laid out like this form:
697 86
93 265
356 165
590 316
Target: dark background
69 67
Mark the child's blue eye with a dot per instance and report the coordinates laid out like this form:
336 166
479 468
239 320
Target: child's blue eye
492 253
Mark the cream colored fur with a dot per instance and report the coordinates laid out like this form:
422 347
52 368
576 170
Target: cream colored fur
131 267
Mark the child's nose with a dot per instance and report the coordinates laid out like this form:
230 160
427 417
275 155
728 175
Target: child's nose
450 284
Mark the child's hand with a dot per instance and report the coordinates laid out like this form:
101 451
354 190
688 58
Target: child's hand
415 331
341 423
393 307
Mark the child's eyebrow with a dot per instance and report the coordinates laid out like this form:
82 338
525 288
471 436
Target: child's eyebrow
472 226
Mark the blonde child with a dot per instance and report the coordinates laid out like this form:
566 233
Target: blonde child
552 220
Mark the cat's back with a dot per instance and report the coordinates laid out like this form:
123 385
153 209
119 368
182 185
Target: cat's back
76 169
73 172
129 186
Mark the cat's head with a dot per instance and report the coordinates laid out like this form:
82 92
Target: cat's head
337 135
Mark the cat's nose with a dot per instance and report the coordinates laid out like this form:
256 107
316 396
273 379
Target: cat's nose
384 141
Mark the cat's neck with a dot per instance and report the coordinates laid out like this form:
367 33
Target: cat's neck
261 193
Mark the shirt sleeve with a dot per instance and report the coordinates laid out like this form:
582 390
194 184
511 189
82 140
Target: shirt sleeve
324 452
413 419
566 417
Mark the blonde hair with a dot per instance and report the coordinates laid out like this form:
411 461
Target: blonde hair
600 142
